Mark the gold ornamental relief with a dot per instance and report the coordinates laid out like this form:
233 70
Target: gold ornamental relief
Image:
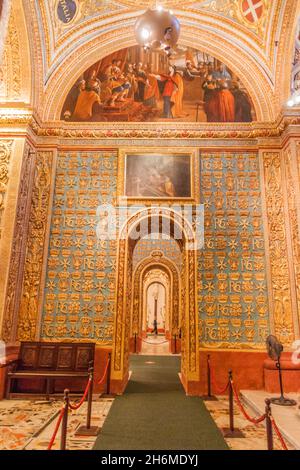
10 68
293 192
281 283
5 155
30 298
19 241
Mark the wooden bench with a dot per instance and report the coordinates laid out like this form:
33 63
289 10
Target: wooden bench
50 361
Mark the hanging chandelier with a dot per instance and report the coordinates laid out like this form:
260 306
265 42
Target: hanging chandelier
157 29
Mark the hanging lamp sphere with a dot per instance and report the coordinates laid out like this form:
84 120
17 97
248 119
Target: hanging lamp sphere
157 29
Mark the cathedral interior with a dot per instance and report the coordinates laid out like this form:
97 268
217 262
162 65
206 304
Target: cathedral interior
149 224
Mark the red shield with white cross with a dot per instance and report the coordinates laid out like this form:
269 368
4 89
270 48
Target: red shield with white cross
252 10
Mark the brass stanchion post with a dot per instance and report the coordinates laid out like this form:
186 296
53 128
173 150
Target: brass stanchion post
231 431
89 430
269 425
209 396
64 426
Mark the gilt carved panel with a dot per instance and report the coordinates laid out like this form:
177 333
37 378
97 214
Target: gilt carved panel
31 290
5 155
278 247
16 267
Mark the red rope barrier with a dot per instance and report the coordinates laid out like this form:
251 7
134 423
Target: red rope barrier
279 435
255 421
61 414
218 390
148 342
100 381
78 405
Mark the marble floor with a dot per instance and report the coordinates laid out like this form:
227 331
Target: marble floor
29 425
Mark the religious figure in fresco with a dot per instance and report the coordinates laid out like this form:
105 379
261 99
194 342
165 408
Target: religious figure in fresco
137 85
87 97
169 91
242 104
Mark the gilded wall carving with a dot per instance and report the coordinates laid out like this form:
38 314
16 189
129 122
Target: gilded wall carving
80 283
10 68
5 155
293 193
16 267
4 17
232 288
277 239
293 197
31 291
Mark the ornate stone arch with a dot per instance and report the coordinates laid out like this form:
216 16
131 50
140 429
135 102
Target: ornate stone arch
156 276
190 342
156 260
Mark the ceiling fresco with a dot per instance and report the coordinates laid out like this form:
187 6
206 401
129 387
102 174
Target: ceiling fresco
132 85
66 37
64 24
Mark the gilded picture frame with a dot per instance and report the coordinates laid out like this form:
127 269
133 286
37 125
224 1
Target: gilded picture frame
163 176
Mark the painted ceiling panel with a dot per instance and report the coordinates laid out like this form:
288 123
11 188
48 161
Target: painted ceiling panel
64 14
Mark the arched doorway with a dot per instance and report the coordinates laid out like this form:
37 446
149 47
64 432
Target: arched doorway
156 268
155 309
167 220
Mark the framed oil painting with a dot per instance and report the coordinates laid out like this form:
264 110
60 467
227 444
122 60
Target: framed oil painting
134 85
163 175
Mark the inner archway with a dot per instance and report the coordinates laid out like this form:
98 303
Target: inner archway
156 269
174 224
156 313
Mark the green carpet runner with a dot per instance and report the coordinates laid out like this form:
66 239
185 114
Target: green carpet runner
155 414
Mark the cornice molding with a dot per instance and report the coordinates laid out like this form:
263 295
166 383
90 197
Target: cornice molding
59 129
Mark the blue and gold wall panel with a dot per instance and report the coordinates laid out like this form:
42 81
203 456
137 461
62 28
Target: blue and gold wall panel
232 287
80 285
